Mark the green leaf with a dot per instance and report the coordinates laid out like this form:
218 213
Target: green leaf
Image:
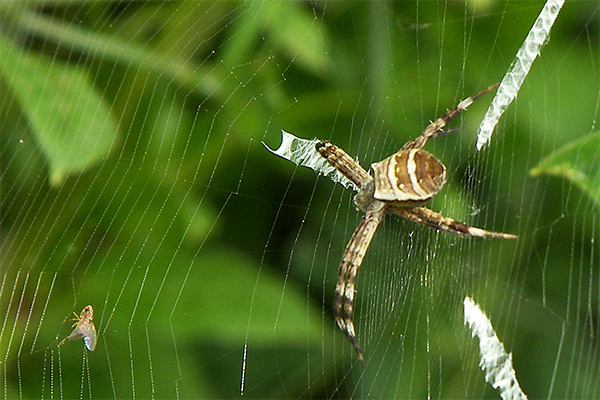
290 28
69 120
202 80
226 291
228 301
299 34
579 162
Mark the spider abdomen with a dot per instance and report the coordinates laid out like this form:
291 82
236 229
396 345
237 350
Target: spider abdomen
409 176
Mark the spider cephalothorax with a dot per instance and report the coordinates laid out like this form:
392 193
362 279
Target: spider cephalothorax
398 184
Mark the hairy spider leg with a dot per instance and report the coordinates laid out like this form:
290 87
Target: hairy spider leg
435 127
437 221
343 304
345 164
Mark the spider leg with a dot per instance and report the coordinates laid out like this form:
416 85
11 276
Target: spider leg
434 128
343 304
434 220
342 161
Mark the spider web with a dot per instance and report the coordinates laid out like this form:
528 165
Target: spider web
133 179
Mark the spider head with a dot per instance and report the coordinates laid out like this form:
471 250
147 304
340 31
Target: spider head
365 199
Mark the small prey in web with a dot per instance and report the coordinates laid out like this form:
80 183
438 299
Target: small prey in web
84 327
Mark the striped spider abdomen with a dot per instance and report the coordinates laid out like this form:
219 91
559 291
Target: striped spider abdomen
408 177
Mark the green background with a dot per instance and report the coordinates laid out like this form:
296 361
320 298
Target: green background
134 179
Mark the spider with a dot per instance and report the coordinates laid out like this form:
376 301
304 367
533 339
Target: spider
398 185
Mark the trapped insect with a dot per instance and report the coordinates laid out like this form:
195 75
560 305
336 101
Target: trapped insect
84 327
398 184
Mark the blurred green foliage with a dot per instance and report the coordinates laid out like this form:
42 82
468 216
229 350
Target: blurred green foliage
578 162
133 179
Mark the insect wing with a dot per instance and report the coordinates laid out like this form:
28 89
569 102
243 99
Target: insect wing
88 331
75 334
